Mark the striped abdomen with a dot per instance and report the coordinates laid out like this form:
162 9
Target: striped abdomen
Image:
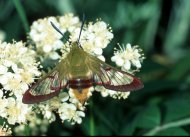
80 83
80 88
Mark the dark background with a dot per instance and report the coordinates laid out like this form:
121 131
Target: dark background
161 28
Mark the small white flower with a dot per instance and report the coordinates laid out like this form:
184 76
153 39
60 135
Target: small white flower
68 22
102 58
68 111
63 97
46 111
47 48
127 65
47 114
5 130
1 93
120 62
3 69
77 117
7 63
54 55
13 81
98 51
15 68
128 56
17 112
3 79
102 90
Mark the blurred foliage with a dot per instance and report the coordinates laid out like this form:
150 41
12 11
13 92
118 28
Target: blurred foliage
161 28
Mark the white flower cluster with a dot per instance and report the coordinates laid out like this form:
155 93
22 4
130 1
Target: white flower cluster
39 127
18 68
65 107
5 130
47 39
94 38
125 57
128 56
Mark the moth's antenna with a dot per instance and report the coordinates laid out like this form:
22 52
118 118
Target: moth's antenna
83 21
56 28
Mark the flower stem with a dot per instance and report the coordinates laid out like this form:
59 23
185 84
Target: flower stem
92 125
21 14
178 123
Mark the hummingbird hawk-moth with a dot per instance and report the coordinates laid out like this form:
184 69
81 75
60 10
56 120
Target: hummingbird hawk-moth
79 71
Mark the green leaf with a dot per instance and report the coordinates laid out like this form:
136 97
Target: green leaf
180 69
177 108
153 87
22 14
103 130
149 117
129 128
173 132
13 29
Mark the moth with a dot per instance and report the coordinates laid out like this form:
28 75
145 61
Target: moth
79 71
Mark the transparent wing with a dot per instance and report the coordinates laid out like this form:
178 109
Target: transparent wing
44 89
114 79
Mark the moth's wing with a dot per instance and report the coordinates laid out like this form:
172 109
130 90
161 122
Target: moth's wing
46 88
112 78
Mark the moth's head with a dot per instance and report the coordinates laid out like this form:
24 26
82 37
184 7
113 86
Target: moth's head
75 45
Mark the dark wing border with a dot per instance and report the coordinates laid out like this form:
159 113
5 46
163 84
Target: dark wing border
31 96
103 77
